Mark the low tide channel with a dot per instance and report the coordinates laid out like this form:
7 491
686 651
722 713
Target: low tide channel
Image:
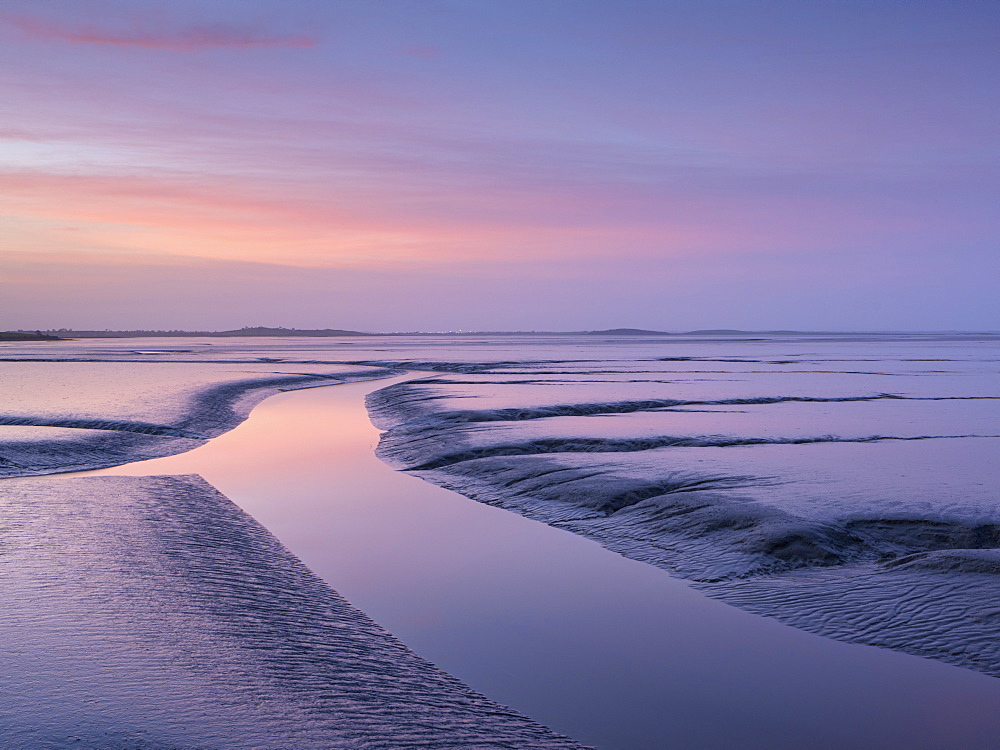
612 652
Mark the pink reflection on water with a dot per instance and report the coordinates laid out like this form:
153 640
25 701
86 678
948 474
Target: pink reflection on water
611 651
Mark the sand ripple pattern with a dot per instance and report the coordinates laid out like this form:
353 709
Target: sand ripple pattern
151 612
795 487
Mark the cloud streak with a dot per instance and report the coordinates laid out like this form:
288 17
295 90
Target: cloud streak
601 163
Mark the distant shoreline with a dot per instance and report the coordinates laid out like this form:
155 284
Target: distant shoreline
62 334
23 336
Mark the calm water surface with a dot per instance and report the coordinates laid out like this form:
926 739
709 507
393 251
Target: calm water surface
610 651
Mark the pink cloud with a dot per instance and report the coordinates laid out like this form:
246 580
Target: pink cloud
193 38
225 218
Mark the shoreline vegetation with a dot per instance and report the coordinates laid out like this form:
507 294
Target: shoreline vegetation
62 334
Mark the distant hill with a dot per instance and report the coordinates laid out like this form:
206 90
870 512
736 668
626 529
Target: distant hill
249 331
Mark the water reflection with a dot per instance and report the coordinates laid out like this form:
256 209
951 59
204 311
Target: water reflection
611 651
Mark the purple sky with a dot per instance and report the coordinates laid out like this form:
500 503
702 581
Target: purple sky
510 164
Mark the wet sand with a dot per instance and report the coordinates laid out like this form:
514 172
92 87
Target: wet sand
610 651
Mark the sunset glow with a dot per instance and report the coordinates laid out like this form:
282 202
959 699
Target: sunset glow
440 165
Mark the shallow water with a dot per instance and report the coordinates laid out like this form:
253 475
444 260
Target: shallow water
150 613
613 652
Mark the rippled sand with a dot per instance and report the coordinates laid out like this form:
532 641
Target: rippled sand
150 612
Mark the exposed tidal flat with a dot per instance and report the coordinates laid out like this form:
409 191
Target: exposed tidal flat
150 612
845 486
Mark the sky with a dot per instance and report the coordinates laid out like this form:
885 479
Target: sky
500 164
